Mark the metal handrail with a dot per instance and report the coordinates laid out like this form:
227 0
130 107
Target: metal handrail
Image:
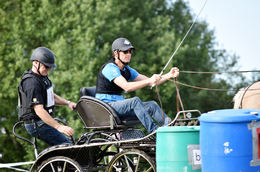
34 142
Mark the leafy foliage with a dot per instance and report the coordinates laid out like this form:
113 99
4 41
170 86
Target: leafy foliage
80 33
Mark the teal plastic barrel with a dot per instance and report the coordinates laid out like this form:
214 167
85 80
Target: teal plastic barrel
229 140
172 148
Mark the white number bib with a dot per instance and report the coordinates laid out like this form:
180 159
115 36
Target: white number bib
50 97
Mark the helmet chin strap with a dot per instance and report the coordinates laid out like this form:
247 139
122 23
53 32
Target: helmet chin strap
38 69
124 63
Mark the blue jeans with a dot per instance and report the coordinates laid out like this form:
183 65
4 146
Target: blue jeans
46 133
144 111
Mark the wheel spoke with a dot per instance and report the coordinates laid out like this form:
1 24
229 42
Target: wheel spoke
115 167
64 166
150 169
137 163
52 167
127 163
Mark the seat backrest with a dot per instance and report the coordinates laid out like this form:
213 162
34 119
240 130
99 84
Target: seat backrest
88 91
96 114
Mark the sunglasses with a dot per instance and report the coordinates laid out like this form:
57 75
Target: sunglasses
47 67
128 51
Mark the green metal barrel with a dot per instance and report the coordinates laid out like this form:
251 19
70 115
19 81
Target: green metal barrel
177 149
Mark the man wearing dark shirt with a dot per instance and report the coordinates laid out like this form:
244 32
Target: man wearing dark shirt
37 100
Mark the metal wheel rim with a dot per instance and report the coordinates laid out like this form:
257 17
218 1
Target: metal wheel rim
132 165
64 164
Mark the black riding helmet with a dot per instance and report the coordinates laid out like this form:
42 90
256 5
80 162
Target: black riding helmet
44 56
121 44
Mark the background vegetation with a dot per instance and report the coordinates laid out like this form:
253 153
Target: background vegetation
80 33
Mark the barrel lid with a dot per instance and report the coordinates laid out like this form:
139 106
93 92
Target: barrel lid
178 129
231 115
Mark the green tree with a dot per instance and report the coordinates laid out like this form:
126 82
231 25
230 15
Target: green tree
80 33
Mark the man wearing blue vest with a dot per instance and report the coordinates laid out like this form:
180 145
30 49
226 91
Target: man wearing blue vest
116 76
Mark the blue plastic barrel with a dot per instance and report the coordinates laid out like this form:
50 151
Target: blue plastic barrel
229 140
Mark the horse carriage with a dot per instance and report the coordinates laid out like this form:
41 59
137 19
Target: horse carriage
111 143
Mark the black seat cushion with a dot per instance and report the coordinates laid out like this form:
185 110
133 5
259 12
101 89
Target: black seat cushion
88 91
130 121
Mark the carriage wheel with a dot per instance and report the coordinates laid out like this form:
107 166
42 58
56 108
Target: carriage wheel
60 164
132 161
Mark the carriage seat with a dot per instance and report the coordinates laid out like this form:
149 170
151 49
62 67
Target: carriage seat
88 91
97 114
